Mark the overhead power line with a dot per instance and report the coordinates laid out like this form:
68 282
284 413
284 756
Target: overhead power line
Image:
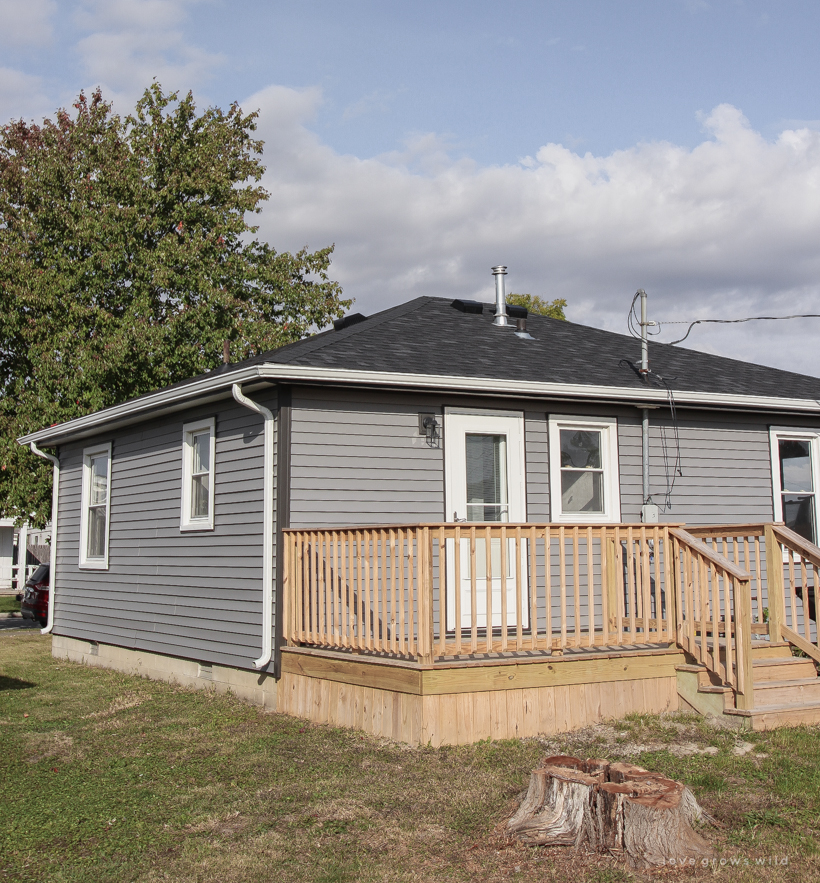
729 322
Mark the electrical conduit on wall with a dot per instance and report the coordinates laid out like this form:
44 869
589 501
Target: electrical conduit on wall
267 525
52 561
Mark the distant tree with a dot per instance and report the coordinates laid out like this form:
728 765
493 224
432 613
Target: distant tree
126 259
534 304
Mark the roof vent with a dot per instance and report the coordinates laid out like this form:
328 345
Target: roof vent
468 306
516 312
521 329
500 298
347 321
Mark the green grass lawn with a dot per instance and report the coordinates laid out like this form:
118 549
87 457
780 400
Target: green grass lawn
105 777
9 604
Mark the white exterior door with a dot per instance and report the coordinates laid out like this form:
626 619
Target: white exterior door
485 484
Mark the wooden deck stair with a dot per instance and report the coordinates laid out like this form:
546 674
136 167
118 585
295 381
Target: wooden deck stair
786 690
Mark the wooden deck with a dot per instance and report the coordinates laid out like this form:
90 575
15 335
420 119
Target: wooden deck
386 627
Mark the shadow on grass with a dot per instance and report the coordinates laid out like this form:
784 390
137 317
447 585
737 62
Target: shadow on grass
14 684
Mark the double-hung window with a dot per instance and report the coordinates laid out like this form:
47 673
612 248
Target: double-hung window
96 502
584 483
795 461
198 476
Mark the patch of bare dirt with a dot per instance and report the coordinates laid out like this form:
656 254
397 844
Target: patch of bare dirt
681 737
55 745
130 699
232 823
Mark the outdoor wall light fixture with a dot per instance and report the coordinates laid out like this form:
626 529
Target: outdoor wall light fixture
430 428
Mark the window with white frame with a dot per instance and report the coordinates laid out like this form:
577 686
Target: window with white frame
96 503
198 476
584 482
795 460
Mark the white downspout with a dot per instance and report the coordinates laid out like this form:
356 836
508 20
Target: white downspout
267 525
52 561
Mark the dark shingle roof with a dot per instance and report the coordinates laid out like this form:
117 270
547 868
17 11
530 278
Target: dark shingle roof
429 336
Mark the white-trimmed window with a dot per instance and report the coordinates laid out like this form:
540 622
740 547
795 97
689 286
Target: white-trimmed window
795 474
584 482
96 510
198 476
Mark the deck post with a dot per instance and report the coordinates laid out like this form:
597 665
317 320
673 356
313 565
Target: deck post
611 587
774 584
744 697
425 541
287 588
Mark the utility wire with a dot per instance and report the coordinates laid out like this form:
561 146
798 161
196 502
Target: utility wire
717 322
633 321
671 467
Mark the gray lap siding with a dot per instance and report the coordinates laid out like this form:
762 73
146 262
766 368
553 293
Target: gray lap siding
357 458
725 465
195 594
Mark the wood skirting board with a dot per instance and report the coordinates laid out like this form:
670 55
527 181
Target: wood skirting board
466 703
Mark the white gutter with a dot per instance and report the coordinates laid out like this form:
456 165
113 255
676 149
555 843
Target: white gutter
52 561
267 525
531 388
217 385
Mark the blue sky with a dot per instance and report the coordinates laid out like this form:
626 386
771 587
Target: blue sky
594 147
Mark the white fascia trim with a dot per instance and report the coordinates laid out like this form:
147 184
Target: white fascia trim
525 388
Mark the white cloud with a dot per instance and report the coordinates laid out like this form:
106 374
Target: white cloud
131 42
21 95
725 229
26 22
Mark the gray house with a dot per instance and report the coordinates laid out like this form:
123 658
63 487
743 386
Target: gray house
428 526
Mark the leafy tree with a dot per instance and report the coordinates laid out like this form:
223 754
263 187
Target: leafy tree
534 304
126 259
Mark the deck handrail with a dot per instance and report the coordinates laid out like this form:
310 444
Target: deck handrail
797 543
714 600
715 557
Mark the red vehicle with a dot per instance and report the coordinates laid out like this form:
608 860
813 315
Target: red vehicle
34 603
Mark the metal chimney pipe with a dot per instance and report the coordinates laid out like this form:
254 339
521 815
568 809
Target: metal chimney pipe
500 297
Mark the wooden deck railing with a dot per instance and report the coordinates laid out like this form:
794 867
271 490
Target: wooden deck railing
745 546
794 589
430 592
427 592
714 612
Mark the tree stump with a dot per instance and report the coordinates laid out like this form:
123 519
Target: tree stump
618 808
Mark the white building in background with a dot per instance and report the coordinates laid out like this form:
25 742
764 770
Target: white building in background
7 531
12 577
